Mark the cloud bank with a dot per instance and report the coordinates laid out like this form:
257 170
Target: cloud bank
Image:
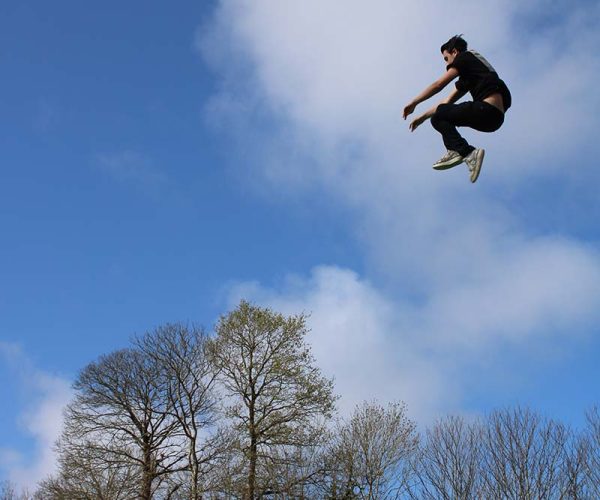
313 92
45 395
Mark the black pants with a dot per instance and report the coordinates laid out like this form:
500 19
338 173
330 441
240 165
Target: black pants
478 115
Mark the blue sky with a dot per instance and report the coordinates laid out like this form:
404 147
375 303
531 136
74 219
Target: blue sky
160 163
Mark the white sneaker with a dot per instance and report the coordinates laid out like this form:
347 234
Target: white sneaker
474 160
449 160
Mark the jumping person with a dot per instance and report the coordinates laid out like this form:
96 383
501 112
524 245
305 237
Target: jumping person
491 99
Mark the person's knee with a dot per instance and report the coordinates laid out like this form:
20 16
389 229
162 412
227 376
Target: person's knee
439 115
441 112
436 120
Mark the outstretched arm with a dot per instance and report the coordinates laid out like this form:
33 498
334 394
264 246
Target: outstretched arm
431 90
454 96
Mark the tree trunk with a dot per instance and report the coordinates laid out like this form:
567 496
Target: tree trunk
194 469
253 456
147 475
252 468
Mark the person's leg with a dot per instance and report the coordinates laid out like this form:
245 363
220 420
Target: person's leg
485 118
480 116
445 120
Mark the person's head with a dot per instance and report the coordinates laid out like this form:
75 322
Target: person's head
452 48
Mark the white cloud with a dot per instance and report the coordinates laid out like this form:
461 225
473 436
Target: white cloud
376 346
357 337
339 71
40 419
536 289
317 89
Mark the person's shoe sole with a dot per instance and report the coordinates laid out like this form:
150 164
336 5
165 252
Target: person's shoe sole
447 165
478 163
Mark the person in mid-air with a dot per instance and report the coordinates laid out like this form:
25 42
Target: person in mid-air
491 99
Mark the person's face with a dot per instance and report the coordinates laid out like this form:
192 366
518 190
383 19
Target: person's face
449 56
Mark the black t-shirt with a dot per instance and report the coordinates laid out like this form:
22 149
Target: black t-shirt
479 77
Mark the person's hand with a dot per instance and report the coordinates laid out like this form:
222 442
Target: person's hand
408 109
416 122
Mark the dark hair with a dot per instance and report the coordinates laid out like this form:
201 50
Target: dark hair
456 42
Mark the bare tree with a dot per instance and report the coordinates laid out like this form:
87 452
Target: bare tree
298 471
179 354
8 491
121 412
371 452
275 393
522 456
574 468
448 465
592 439
88 473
